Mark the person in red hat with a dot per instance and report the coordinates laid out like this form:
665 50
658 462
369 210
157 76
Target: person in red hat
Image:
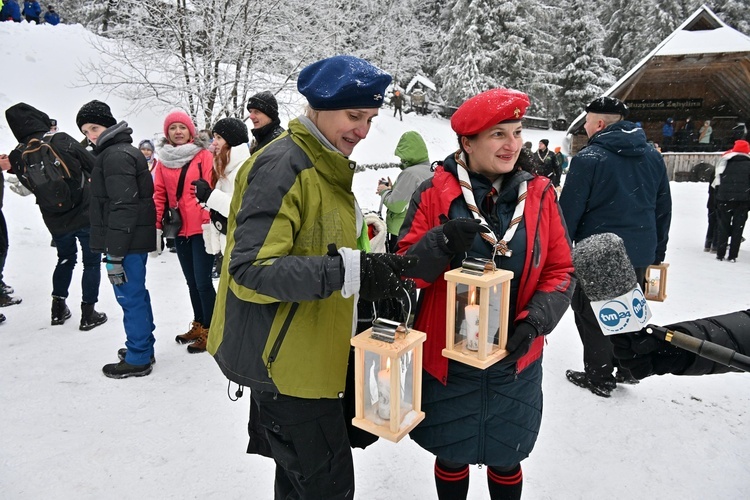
483 203
182 158
732 193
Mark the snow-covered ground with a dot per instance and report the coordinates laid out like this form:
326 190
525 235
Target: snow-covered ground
68 432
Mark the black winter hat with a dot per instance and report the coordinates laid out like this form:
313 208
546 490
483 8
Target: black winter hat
545 142
266 103
25 120
232 130
606 105
95 112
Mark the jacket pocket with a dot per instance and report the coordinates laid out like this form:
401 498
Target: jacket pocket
273 354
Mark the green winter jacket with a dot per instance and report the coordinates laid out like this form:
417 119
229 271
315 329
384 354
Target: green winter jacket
280 322
415 163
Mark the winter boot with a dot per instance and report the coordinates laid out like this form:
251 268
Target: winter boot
60 311
2 318
124 370
5 288
191 335
90 318
200 343
6 300
582 380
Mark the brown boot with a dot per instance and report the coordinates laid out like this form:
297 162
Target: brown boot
192 334
200 344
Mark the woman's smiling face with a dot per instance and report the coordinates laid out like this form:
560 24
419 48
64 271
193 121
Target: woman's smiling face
344 128
494 151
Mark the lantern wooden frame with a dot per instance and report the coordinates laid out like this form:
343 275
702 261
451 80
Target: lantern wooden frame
398 425
656 286
486 355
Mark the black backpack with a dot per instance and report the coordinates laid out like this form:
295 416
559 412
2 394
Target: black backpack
47 176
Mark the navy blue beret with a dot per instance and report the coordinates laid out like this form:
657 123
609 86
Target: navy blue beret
343 82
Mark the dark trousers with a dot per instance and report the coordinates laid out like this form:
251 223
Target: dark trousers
137 316
67 255
196 266
712 233
397 109
3 242
732 219
598 360
308 441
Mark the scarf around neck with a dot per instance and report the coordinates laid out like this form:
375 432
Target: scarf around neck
500 246
176 156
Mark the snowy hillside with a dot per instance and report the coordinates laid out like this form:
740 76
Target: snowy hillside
67 432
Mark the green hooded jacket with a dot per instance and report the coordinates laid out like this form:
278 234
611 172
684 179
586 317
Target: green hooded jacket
415 163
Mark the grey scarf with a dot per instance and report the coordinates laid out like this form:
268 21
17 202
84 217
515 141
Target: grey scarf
176 156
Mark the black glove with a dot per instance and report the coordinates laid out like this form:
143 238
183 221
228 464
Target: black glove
380 275
202 190
520 340
115 271
459 233
645 354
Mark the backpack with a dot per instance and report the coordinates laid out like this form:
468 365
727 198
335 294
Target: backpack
48 177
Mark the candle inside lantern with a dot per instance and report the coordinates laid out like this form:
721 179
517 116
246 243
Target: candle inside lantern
384 392
653 286
471 312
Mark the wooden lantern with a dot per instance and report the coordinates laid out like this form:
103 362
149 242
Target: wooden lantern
656 282
388 382
477 311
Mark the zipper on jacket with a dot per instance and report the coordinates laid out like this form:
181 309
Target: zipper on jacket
282 333
482 416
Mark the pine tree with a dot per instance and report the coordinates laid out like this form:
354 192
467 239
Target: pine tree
584 71
736 13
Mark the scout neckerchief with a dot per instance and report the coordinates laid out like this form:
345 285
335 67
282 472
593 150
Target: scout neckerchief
502 245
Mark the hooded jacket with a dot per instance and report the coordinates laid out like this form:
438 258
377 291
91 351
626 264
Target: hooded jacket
123 216
415 163
27 123
618 184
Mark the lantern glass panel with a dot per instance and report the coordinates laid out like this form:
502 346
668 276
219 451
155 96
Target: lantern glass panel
468 322
378 387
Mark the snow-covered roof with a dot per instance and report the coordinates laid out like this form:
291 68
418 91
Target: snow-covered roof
686 39
426 82
703 33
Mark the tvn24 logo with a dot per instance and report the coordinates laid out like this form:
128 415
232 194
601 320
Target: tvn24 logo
617 316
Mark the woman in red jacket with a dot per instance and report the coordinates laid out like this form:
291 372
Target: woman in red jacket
182 159
479 199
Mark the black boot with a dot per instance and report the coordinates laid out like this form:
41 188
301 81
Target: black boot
60 311
90 318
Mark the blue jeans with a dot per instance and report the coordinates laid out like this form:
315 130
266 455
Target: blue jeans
196 265
137 316
67 255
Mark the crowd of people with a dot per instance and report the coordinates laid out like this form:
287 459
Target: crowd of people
31 12
298 264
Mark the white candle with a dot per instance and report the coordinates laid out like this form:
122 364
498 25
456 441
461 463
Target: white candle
384 394
653 286
471 313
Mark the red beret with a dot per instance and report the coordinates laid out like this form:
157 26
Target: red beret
487 109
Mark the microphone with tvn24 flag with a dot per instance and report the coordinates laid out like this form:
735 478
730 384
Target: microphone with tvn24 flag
607 276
